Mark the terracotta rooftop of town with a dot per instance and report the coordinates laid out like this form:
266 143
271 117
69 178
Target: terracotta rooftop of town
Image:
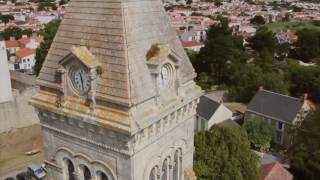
191 43
24 40
275 171
25 52
12 43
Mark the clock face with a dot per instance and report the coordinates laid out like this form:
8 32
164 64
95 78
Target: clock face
80 80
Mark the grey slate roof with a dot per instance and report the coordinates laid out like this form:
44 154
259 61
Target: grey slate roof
207 107
275 105
119 34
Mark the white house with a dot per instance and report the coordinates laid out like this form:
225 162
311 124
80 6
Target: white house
26 58
210 112
5 87
12 46
192 45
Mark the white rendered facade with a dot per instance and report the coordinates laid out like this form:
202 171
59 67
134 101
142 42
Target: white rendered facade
5 88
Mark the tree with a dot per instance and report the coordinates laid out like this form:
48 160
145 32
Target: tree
221 48
15 32
62 2
308 44
245 80
6 18
263 40
304 155
260 132
189 1
304 79
217 3
27 32
282 50
224 153
257 20
48 34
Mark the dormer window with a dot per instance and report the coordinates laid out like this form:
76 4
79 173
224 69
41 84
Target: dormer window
163 64
79 70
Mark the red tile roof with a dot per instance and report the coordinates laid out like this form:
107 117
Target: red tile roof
275 171
12 44
191 43
25 52
311 104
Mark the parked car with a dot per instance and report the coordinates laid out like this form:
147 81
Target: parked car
23 176
37 172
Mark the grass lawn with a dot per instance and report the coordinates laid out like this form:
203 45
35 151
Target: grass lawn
293 26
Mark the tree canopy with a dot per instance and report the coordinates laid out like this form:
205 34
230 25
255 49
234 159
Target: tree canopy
6 18
257 20
15 32
307 45
305 152
221 48
223 153
304 79
245 80
48 34
260 132
263 40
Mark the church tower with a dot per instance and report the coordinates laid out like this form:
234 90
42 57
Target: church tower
117 98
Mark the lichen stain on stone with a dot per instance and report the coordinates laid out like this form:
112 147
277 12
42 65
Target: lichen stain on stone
108 118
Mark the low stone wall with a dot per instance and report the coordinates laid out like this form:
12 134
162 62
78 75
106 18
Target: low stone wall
18 113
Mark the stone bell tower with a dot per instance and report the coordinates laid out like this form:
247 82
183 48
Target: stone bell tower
117 98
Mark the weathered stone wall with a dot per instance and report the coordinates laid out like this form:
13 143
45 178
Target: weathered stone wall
81 137
18 113
165 146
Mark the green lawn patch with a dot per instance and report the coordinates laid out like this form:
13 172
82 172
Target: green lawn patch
2 161
293 26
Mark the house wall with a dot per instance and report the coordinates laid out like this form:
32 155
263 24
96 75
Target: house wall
200 124
13 50
195 48
28 61
221 114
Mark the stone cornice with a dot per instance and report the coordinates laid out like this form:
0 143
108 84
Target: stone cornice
83 139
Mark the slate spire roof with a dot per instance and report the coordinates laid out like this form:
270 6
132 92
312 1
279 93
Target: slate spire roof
119 34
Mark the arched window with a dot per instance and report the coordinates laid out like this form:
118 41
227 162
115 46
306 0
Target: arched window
153 173
70 170
177 165
86 173
103 176
165 170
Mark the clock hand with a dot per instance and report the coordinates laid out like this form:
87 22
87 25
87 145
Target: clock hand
81 81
